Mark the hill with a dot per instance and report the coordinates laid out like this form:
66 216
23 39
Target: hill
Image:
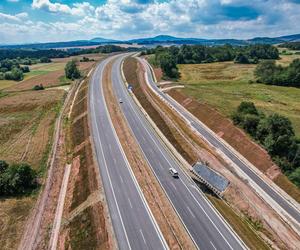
156 40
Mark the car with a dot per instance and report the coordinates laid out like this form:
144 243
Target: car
173 172
120 100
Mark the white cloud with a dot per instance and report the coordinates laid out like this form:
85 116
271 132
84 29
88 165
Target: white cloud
123 19
78 9
18 17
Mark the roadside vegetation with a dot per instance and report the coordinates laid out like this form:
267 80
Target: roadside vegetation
275 133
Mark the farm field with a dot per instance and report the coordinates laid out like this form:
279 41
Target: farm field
224 85
48 74
26 128
27 121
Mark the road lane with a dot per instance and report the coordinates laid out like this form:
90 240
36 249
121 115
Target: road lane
200 218
133 224
209 135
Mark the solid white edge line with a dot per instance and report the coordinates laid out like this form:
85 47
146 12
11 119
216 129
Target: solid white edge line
209 203
151 216
106 168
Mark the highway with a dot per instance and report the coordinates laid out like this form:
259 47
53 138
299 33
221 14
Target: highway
205 226
134 225
277 199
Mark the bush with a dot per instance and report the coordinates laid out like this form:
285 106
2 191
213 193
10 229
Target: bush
17 179
250 123
295 177
38 87
241 58
25 69
247 108
45 60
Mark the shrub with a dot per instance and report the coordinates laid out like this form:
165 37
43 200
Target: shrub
295 177
38 87
45 60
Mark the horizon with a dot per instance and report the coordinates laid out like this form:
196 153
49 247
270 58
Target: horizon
120 40
43 21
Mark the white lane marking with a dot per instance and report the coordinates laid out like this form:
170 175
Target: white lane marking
143 236
137 115
121 179
173 185
115 161
130 203
151 216
105 163
191 211
213 245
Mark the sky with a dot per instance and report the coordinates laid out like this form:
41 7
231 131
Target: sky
27 21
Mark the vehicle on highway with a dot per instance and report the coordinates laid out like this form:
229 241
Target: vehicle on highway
173 172
120 100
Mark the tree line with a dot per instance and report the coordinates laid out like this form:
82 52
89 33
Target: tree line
169 57
275 133
269 73
58 53
291 45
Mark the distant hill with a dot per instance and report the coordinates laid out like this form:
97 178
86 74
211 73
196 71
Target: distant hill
291 38
103 40
156 40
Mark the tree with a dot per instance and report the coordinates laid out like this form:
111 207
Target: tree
25 69
45 59
277 135
16 75
17 179
168 65
250 123
247 108
295 177
72 71
241 58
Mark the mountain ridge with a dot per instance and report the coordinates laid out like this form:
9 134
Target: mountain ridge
156 40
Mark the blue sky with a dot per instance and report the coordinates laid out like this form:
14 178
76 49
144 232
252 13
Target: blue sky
24 21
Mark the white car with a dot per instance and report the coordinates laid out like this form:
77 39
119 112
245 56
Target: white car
173 172
120 100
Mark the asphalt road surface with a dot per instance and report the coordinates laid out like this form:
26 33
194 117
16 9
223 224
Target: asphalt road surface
206 227
281 201
133 224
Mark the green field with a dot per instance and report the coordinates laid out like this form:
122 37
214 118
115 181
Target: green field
35 70
224 85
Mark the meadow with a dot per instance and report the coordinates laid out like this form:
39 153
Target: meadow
223 85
